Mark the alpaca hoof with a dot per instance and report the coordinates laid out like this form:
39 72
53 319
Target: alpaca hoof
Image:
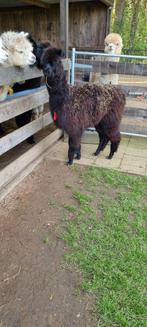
77 157
69 163
95 154
109 157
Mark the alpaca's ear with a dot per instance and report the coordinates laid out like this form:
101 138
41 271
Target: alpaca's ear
30 38
24 34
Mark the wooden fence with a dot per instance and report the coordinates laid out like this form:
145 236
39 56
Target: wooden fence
12 107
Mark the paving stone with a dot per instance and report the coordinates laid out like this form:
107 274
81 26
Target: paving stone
131 156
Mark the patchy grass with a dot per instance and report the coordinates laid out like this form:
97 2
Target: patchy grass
70 208
107 241
46 240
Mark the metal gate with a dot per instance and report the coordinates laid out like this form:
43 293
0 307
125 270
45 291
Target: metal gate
131 72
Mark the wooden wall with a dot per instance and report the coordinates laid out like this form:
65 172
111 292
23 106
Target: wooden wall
87 23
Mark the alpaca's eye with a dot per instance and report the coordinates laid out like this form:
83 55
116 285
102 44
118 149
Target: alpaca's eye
20 51
117 44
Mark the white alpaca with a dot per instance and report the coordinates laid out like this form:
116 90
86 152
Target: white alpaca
113 45
3 53
18 48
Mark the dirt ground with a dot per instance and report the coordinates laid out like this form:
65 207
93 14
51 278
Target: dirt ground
37 288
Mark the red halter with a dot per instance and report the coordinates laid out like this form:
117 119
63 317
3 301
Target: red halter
55 116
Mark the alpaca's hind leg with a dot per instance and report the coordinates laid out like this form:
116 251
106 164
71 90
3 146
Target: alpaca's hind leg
114 146
78 153
113 149
102 144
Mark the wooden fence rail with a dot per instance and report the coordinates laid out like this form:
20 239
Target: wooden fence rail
11 75
13 106
125 68
110 67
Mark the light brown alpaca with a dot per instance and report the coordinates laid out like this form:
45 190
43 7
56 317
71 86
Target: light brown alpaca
113 45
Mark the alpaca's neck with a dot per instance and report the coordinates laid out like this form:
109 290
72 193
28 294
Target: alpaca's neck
59 94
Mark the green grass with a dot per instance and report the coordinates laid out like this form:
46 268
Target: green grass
107 242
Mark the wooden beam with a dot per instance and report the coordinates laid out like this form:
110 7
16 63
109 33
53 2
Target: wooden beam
15 107
38 3
16 171
108 2
11 75
110 67
19 135
64 25
108 19
135 103
120 68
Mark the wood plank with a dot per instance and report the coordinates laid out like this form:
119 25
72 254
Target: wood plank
120 68
110 67
12 108
37 3
134 103
11 75
44 23
107 2
135 112
12 139
87 25
15 172
134 122
64 24
134 88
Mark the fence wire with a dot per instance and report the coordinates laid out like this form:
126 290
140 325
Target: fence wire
127 71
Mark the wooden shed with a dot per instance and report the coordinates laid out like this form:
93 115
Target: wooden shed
82 24
68 23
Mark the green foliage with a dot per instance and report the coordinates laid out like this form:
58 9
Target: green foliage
140 41
110 249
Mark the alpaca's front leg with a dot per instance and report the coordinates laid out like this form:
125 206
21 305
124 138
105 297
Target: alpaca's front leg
74 150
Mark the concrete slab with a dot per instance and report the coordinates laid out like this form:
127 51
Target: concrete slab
131 156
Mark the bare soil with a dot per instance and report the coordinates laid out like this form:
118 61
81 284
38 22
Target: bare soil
37 288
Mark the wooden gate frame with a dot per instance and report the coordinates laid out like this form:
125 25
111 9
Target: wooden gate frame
14 172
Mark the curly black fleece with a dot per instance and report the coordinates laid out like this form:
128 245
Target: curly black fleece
78 108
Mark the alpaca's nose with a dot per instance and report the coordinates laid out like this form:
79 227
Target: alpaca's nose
32 59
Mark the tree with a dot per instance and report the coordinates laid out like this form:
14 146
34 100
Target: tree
119 6
129 20
134 21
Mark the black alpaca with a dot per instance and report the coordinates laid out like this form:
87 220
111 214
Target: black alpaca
76 108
